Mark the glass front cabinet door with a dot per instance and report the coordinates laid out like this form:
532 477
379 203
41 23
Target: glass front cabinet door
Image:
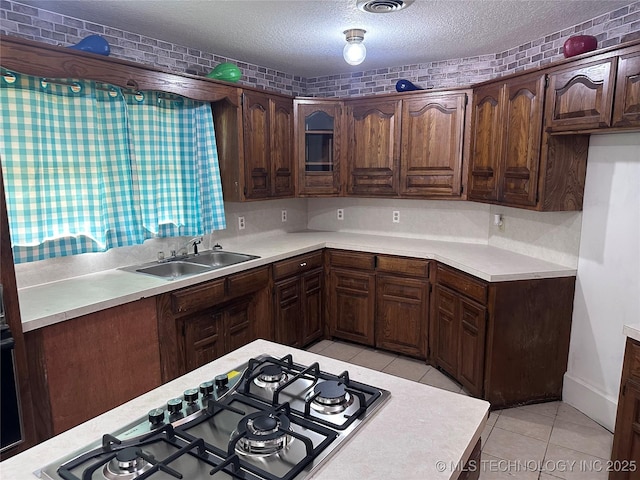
318 133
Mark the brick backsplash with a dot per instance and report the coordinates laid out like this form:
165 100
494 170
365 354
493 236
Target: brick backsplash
617 26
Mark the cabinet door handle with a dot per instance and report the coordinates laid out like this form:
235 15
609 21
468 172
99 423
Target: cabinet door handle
303 264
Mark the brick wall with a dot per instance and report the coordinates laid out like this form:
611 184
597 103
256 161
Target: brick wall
615 27
37 24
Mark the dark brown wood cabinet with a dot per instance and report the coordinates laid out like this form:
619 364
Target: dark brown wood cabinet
352 281
459 326
318 146
373 146
514 162
298 297
626 436
268 145
402 305
581 95
71 389
431 157
507 342
626 108
506 141
198 324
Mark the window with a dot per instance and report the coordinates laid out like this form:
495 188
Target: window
89 167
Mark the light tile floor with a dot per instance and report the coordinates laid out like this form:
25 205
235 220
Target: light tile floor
545 441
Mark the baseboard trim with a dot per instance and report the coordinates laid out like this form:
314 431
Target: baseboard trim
594 403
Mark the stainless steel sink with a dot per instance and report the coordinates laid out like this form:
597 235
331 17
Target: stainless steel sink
173 269
190 264
219 259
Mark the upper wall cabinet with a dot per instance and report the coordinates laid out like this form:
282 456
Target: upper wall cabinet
318 131
626 108
255 145
373 151
432 145
506 141
268 145
595 93
512 162
581 95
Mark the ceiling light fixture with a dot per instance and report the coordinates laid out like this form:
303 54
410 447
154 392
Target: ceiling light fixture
354 51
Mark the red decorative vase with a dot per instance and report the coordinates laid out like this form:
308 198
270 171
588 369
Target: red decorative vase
579 44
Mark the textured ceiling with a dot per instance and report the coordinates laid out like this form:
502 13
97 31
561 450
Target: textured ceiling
304 37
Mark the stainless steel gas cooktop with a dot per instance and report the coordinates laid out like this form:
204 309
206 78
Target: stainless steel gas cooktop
269 419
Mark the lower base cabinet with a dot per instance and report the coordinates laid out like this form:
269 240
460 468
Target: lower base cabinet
352 283
507 342
402 305
625 455
200 323
298 299
81 368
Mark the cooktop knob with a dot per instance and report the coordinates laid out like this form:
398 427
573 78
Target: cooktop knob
191 395
156 416
174 405
221 382
206 388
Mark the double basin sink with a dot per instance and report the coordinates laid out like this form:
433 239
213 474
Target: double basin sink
191 264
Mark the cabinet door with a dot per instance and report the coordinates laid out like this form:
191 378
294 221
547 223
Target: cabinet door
288 312
312 306
626 443
281 153
471 348
446 330
257 168
432 134
626 110
486 141
318 131
373 133
522 132
581 97
237 329
401 314
203 341
352 305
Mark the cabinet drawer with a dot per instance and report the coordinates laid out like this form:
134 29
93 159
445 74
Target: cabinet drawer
296 265
198 297
348 259
633 358
403 266
247 282
464 284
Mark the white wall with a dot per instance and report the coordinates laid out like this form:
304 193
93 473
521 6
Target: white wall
263 218
608 284
554 236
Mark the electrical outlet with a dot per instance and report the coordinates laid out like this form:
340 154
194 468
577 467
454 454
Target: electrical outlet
241 223
284 216
396 216
340 214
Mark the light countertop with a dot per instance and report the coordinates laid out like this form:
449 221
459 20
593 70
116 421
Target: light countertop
54 302
418 427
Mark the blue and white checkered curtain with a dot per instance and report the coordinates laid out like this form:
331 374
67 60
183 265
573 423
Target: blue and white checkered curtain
79 177
177 195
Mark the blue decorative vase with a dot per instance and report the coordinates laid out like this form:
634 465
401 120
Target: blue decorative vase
93 44
406 86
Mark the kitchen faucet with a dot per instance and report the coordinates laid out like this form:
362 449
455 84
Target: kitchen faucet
195 241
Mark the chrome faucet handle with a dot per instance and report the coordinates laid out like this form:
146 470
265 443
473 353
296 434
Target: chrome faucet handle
217 246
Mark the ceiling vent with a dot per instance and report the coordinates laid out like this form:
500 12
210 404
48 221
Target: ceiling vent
383 6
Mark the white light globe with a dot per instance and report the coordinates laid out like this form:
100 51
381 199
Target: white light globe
354 53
